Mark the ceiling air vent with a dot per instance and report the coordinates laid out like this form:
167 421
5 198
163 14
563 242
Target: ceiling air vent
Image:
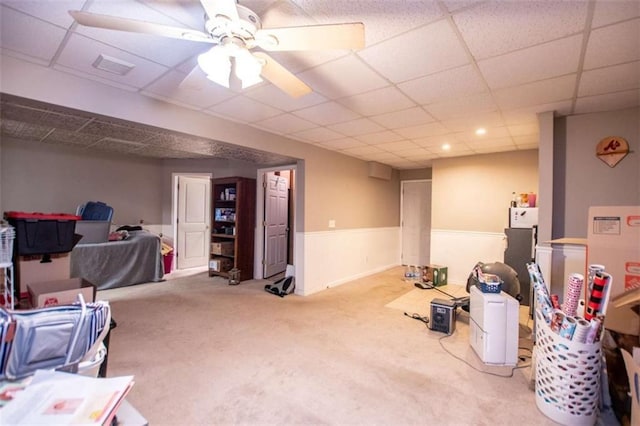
112 65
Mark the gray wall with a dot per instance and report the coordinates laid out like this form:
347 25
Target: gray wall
37 177
582 180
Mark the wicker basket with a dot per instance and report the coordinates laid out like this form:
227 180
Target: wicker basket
567 376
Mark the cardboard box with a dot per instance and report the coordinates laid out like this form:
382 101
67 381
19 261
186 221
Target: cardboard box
435 274
220 264
33 269
62 292
613 235
222 248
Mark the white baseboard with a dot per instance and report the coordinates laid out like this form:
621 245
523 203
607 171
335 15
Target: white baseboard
335 257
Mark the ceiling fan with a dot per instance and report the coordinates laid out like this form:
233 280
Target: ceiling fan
234 31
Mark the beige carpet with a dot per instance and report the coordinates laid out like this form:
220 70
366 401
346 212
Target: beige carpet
203 353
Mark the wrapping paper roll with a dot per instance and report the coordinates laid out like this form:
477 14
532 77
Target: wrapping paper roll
593 269
574 288
582 329
568 327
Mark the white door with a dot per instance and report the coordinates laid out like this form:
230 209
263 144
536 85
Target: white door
276 224
194 201
416 222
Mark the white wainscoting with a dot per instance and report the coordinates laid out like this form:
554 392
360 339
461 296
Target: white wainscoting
334 257
557 261
459 251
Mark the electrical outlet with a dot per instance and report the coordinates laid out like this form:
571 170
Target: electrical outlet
332 223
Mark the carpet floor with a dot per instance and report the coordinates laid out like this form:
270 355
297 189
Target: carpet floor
203 352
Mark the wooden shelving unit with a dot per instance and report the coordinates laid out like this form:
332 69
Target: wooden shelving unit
232 230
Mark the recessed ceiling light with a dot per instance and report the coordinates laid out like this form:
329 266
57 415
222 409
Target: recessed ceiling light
481 131
446 147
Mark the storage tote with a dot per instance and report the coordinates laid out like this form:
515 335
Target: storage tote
567 376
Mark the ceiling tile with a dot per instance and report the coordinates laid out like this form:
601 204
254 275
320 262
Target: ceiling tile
80 53
342 143
529 141
609 12
498 27
20 130
491 143
61 136
397 146
422 51
285 124
168 86
381 20
56 15
435 142
610 79
423 130
406 118
363 150
493 133
530 129
453 5
40 41
535 63
115 145
379 137
415 154
378 101
270 94
540 92
529 114
244 109
112 130
343 77
43 117
461 81
608 102
326 113
361 126
456 150
462 107
383 156
613 45
162 50
475 121
318 134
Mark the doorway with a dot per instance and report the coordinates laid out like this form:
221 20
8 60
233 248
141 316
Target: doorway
275 228
192 218
415 211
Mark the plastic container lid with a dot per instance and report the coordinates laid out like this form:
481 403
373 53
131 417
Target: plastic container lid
41 216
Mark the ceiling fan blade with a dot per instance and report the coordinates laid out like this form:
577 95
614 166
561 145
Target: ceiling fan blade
195 80
135 26
281 77
312 37
214 8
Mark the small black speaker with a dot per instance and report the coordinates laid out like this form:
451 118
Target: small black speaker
443 316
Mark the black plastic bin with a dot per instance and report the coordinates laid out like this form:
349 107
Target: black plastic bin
41 233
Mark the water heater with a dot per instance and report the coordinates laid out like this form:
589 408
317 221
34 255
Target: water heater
494 327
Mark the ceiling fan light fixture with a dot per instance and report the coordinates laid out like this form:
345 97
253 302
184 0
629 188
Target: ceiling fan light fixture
248 68
216 65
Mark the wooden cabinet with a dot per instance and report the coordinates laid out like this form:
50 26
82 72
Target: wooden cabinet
232 230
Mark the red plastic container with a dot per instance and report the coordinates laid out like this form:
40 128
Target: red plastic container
168 261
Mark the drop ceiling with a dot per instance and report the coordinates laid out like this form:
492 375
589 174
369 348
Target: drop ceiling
431 73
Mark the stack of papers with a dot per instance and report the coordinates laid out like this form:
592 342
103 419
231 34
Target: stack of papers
59 398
